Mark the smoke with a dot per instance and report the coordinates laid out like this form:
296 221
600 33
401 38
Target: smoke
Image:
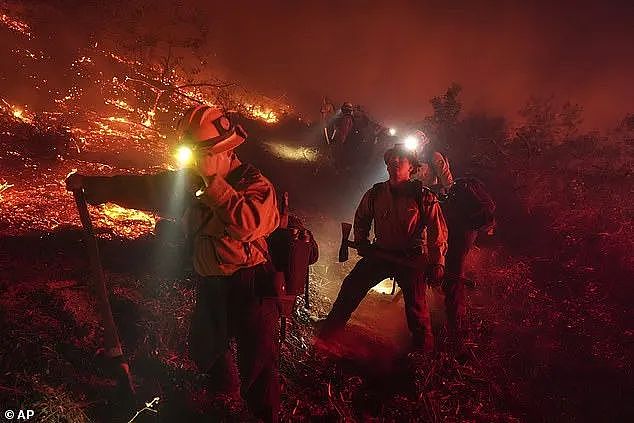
392 57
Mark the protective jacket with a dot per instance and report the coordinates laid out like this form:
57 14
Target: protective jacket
343 127
406 219
227 219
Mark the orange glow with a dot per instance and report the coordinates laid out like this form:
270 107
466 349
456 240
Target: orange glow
258 112
125 222
15 24
118 119
21 114
115 212
3 187
120 104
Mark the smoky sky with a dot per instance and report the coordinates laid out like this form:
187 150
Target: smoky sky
393 56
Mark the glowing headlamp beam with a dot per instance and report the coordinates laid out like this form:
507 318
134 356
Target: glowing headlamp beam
411 143
184 155
392 131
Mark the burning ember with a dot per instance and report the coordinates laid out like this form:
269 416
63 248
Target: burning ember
125 222
15 25
38 201
17 112
3 187
267 115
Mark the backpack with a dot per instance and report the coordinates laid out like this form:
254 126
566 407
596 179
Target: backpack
469 202
292 249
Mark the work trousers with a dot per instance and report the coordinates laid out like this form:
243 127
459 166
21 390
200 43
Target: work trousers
237 306
368 273
459 243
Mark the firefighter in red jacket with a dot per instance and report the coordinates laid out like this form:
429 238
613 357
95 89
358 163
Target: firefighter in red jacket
234 210
407 221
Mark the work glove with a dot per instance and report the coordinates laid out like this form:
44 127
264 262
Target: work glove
78 182
74 182
435 274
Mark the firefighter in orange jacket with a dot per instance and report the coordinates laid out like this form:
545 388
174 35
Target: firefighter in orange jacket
407 221
234 210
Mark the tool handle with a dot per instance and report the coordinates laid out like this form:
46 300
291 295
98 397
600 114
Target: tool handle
112 345
345 234
284 211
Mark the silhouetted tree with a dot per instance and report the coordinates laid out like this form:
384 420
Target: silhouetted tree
546 125
441 125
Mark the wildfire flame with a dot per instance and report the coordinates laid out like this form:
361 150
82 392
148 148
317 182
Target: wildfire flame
22 114
120 104
136 116
258 112
118 213
3 187
118 119
126 222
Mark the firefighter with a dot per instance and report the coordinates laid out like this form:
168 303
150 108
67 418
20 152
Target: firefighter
327 110
234 209
339 141
408 222
469 209
460 242
434 169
